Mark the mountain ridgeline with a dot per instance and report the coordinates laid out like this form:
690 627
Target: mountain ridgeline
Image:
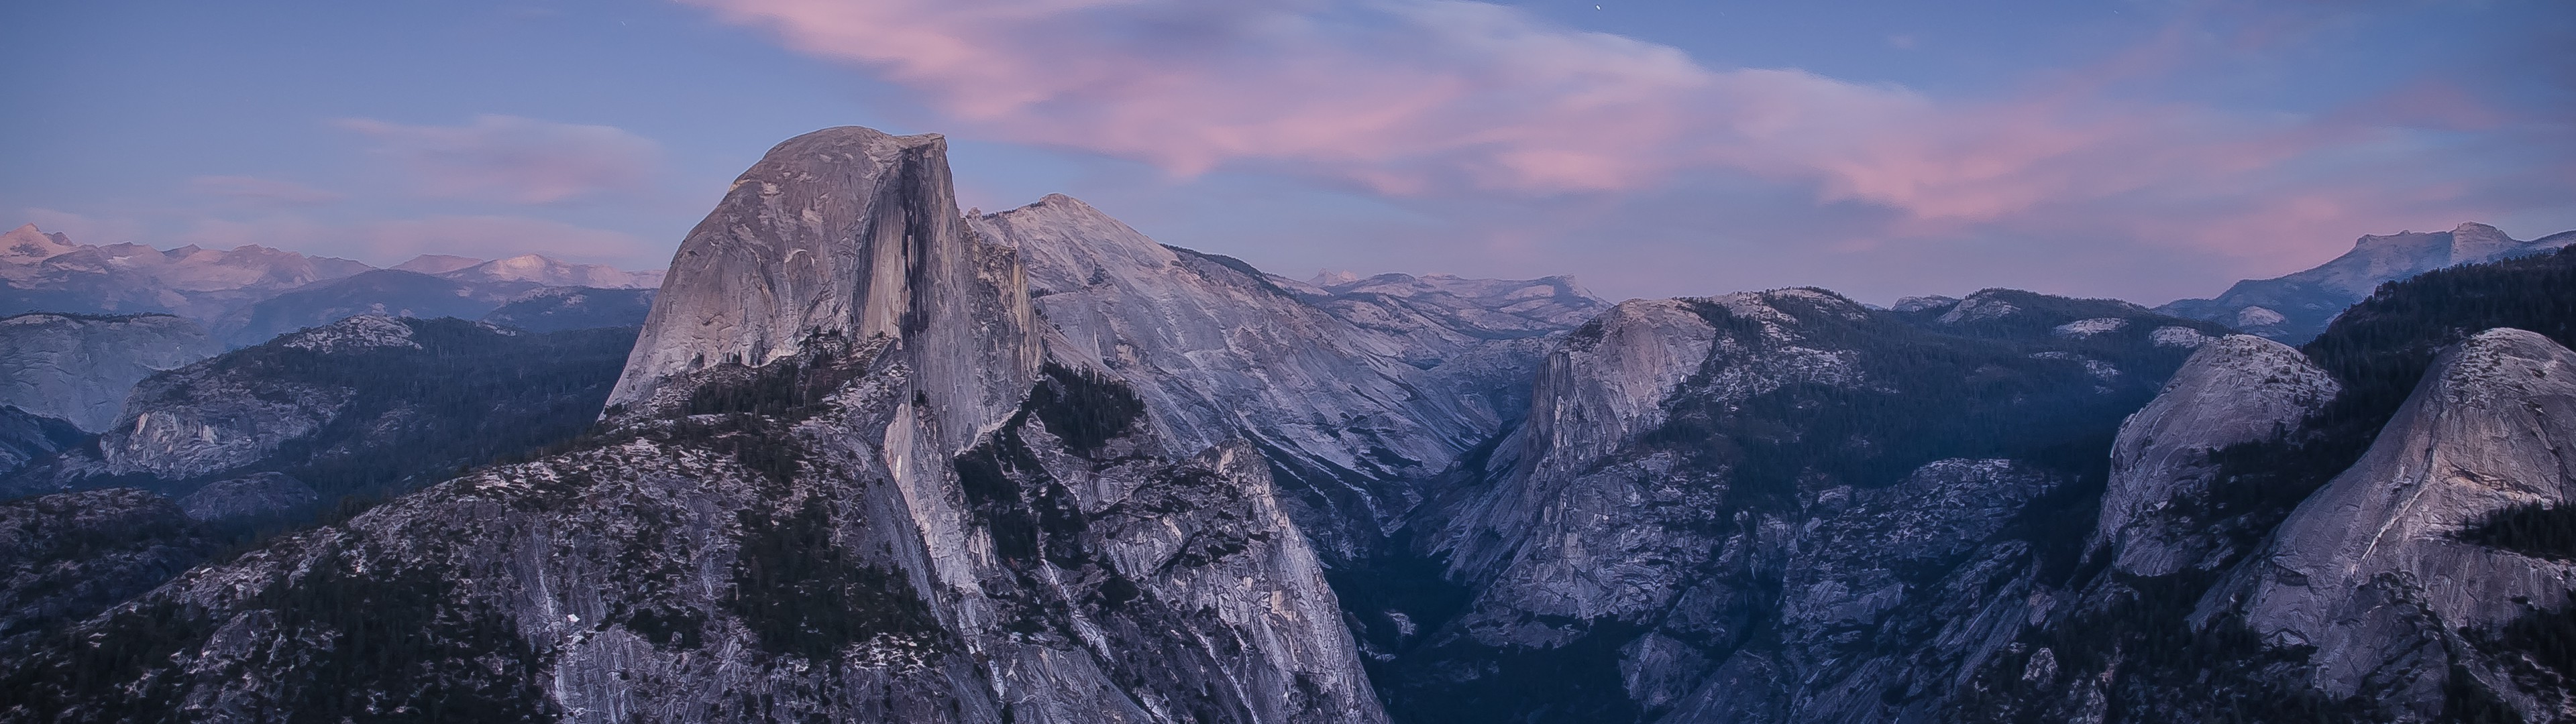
873 458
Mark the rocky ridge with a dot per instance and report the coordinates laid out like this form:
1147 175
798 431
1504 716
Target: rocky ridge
362 406
2294 308
877 492
1777 506
1352 393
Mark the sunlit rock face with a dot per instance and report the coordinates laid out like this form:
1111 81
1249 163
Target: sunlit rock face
2394 577
2239 389
845 479
1771 507
850 233
1355 393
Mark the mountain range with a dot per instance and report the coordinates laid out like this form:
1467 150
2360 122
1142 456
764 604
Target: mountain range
871 458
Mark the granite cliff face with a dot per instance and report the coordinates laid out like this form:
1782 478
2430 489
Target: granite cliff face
2157 510
1771 507
2296 307
872 489
876 459
2392 579
1353 394
80 367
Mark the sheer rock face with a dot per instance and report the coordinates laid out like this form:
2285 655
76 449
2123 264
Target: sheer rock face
1353 392
1773 507
80 368
2238 389
854 233
1598 391
872 492
2372 573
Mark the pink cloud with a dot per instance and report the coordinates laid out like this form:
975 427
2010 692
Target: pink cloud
1445 101
260 190
515 160
1413 96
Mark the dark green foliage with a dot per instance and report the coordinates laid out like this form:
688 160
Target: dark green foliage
788 389
763 444
2547 636
382 645
802 593
2214 674
131 646
567 308
986 473
2379 350
2465 701
1084 408
1577 682
467 397
682 629
2531 529
397 645
1934 391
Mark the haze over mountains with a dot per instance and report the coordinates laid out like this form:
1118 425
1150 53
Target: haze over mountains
872 458
48 272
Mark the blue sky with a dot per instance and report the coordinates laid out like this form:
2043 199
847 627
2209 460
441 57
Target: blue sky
2146 150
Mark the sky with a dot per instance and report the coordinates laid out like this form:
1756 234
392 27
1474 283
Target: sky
2140 149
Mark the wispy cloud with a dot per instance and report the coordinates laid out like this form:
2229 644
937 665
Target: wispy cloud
1441 97
262 191
516 160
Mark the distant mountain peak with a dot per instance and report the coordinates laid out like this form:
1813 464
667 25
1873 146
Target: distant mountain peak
2295 307
436 263
549 271
28 244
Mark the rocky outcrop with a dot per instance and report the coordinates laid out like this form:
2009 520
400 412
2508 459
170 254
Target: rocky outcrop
1354 393
2296 307
871 492
1771 507
366 405
2157 509
219 415
80 368
2394 578
68 556
850 234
